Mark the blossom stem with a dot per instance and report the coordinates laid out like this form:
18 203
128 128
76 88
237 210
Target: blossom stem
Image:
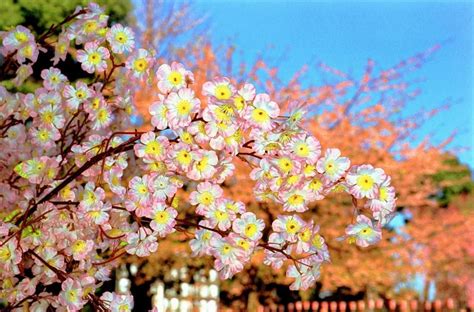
110 259
55 27
62 275
185 222
249 154
248 143
125 146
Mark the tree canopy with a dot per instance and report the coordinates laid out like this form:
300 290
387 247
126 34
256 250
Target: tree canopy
39 15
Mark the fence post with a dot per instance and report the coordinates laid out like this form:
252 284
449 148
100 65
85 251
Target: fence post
291 307
379 304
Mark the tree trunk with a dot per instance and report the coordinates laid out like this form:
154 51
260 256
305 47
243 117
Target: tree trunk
252 301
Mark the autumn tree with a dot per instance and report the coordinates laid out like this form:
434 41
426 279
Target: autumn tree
79 191
442 260
347 109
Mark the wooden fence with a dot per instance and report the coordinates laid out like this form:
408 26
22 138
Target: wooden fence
369 305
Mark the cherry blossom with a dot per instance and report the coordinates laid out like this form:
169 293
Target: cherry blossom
71 295
163 219
93 58
118 303
363 233
173 77
121 38
249 226
364 181
332 165
82 187
181 106
139 62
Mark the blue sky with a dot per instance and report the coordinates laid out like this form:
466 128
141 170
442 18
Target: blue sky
345 34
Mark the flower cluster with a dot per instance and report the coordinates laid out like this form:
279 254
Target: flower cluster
78 191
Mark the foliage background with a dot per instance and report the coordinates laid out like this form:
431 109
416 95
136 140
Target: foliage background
373 104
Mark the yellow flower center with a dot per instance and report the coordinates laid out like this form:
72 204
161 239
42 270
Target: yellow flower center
292 180
89 197
330 167
21 37
71 295
121 37
5 254
183 107
206 198
292 226
103 115
95 103
305 235
65 192
317 241
161 217
222 92
285 164
43 135
186 137
221 215
157 166
94 214
239 103
47 117
37 167
202 164
250 230
245 245
78 246
365 182
315 184
62 48
308 169
226 249
301 149
224 112
140 65
231 206
383 194
184 157
94 58
27 51
153 148
142 189
295 200
175 78
90 26
367 231
206 236
260 116
80 94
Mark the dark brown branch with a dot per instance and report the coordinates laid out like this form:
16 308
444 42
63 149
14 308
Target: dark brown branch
61 275
125 146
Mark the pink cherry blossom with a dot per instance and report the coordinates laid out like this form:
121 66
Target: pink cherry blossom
93 58
163 219
173 77
82 187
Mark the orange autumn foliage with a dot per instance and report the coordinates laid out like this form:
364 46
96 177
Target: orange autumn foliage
368 109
